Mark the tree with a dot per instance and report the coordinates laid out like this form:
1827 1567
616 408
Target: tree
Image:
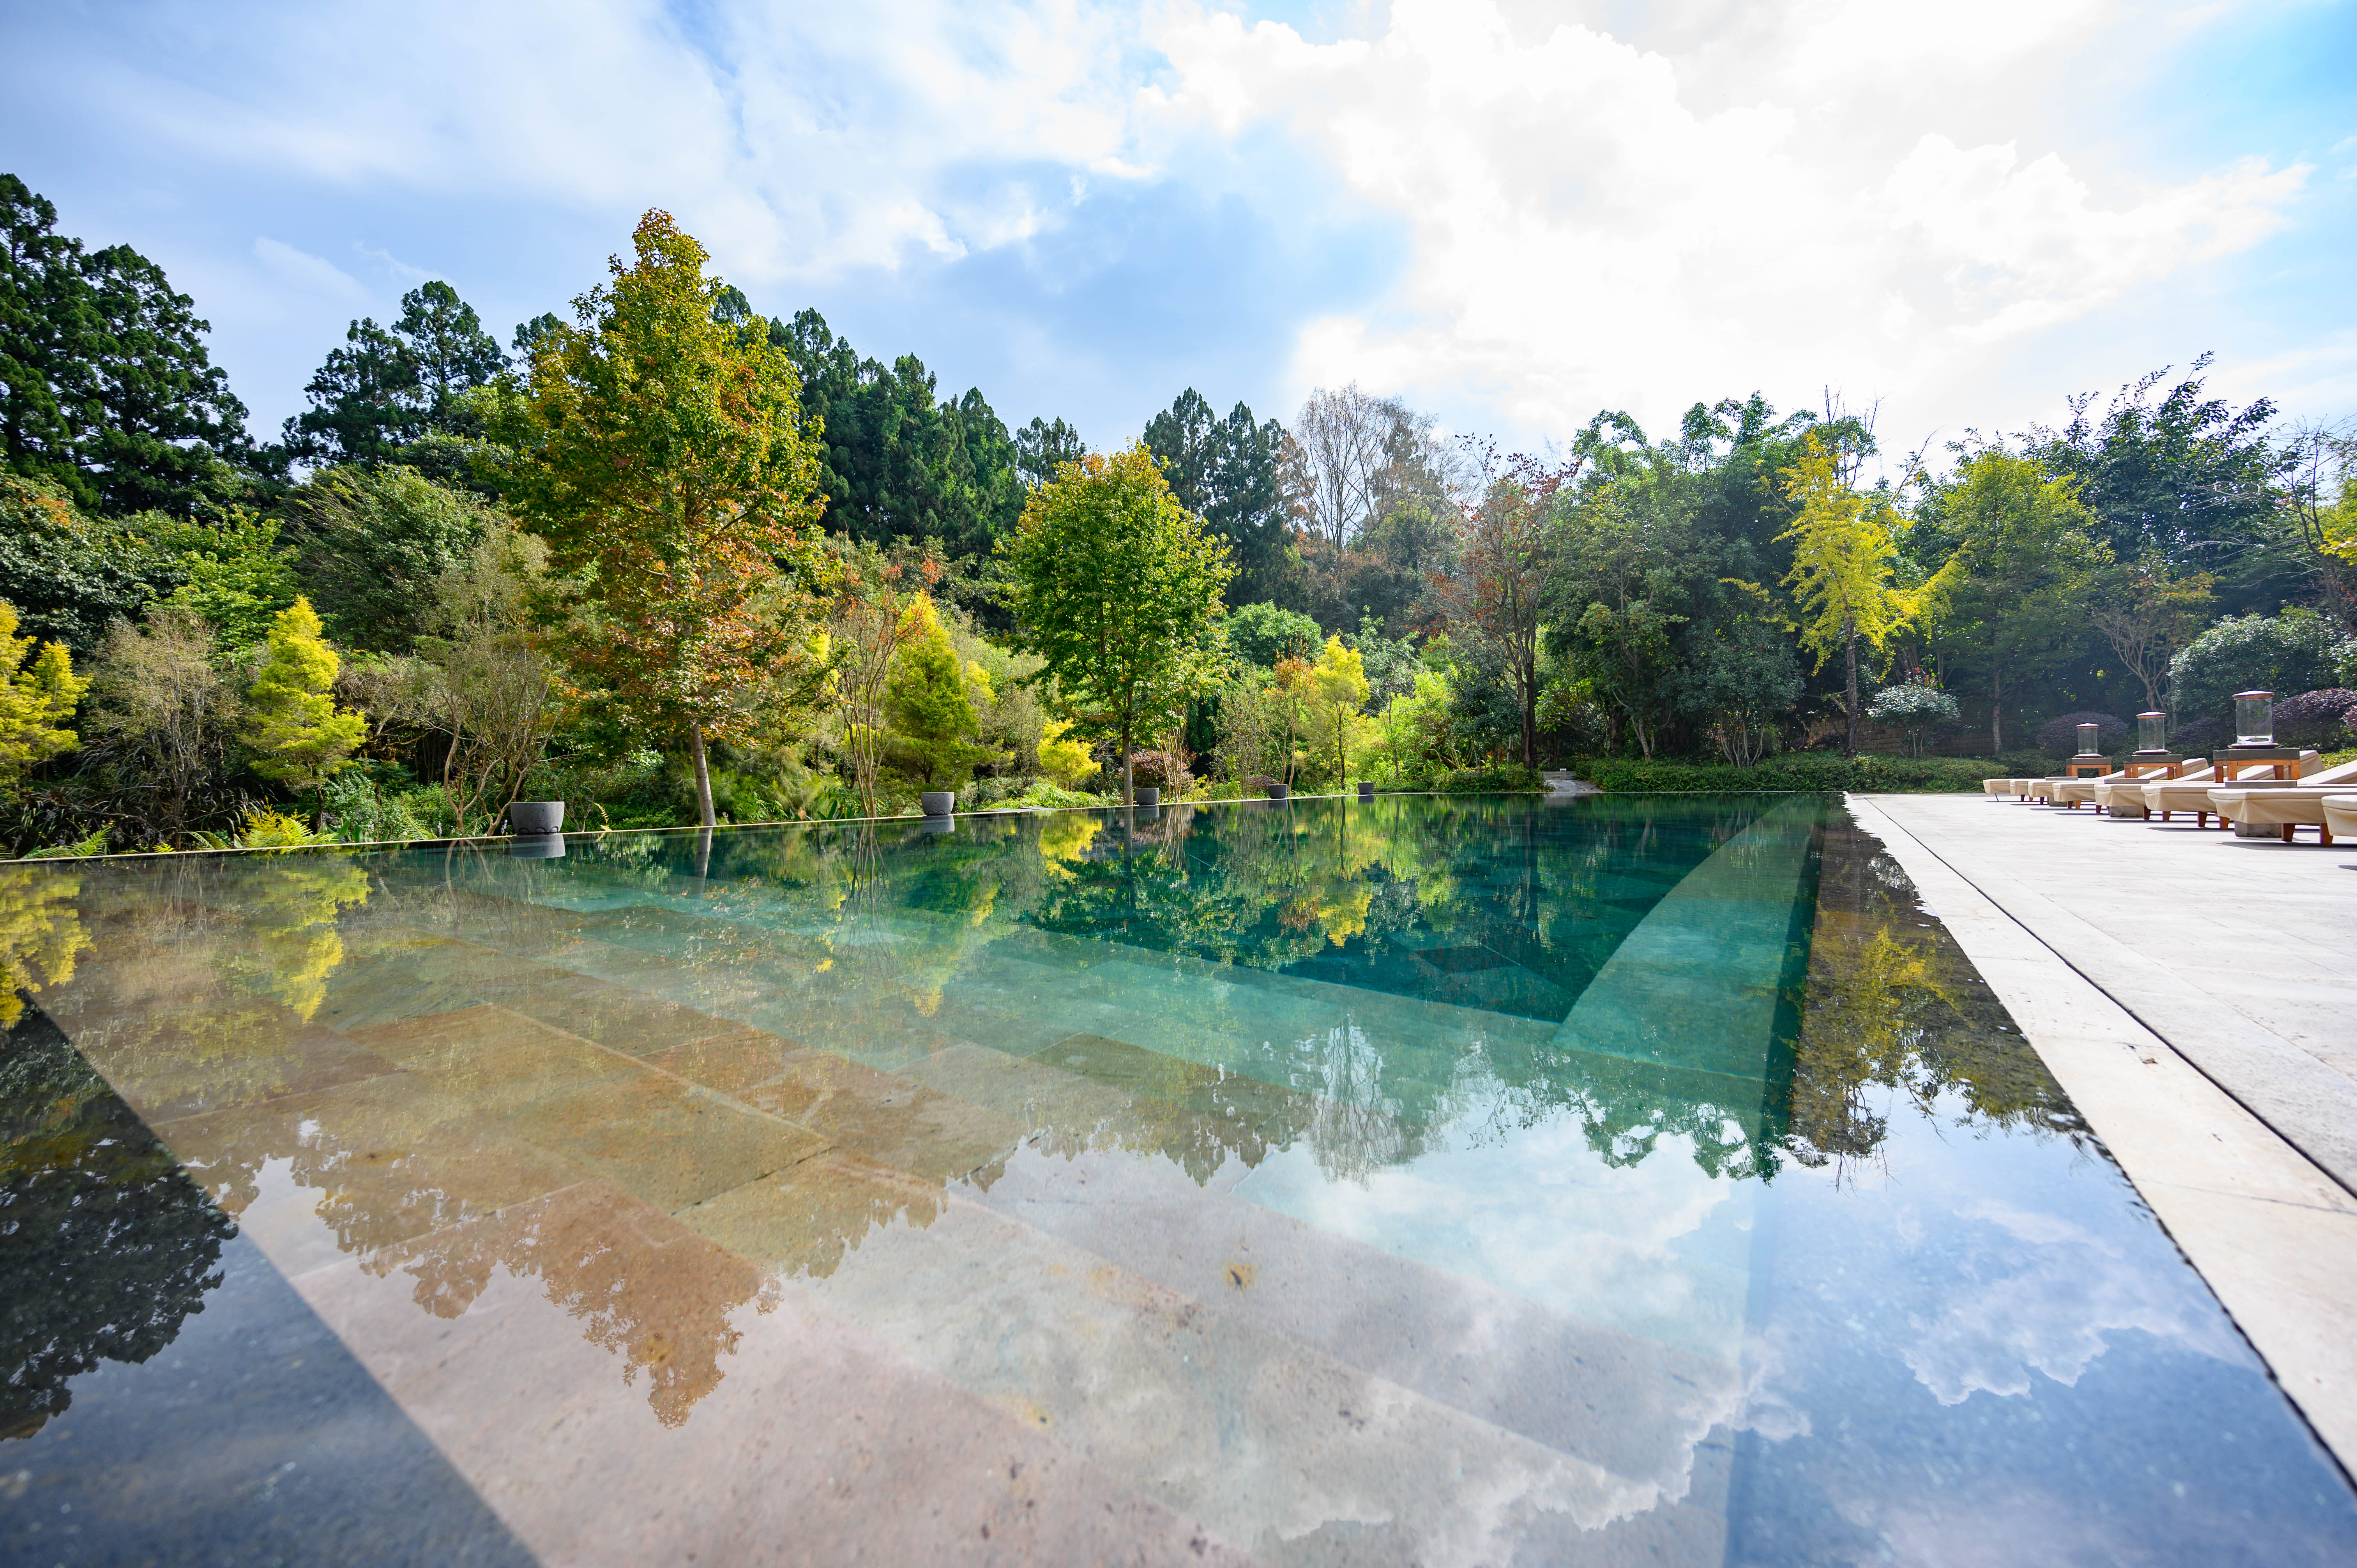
1265 634
664 456
1117 587
2188 478
2319 505
1337 689
299 737
1844 552
1226 472
2296 651
372 542
929 699
869 623
899 461
389 388
158 691
490 685
1041 447
1917 707
1061 758
1335 461
105 384
39 693
2146 612
1745 678
69 573
1493 599
2013 603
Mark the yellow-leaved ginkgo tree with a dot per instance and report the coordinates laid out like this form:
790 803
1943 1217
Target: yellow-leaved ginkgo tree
1844 568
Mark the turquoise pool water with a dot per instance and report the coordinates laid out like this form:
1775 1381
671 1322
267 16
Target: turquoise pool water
1637 1180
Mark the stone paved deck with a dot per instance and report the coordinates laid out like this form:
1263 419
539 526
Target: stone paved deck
2241 953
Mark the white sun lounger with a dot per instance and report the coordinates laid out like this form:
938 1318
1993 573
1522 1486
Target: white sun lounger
2285 806
2121 794
2192 794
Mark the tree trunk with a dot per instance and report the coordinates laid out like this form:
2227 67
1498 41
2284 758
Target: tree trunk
1997 713
1128 795
1849 695
1531 714
702 774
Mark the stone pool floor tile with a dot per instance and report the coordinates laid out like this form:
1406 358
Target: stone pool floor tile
169 1065
620 1389
659 1139
803 1221
1273 1445
889 1118
496 1058
1633 1405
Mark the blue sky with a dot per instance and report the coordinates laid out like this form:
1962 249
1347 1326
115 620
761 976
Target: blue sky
1510 214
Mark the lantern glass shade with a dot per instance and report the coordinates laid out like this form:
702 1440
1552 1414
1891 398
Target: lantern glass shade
2152 732
2254 718
2088 745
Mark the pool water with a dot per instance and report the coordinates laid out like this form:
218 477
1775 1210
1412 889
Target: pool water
1637 1180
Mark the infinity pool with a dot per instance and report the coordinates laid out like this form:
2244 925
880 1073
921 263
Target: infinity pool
1640 1179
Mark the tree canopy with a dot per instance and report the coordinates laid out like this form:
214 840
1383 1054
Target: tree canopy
1116 585
664 458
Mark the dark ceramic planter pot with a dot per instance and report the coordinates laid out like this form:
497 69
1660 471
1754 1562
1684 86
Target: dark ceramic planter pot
1278 791
529 817
1147 795
1366 790
940 802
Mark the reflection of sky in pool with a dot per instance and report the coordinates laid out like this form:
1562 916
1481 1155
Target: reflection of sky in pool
1479 1181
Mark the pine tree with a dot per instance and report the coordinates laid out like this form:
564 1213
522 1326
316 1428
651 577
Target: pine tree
293 724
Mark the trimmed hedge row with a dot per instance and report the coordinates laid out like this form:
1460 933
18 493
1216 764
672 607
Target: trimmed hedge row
1804 770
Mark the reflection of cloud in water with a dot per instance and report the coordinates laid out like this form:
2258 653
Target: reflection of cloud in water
2062 1292
1659 1246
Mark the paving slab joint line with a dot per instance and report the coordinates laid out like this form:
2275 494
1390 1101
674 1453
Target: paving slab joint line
1891 825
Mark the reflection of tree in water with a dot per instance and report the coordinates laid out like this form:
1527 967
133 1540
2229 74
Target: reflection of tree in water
292 906
658 1302
40 933
106 1246
1893 1004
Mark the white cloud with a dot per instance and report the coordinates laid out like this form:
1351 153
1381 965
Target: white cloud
306 273
801 142
1595 223
1514 211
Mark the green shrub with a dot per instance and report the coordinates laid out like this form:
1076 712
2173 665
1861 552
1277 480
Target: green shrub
1495 777
1811 771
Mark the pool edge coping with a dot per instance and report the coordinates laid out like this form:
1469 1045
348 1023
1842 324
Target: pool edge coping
2270 1232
